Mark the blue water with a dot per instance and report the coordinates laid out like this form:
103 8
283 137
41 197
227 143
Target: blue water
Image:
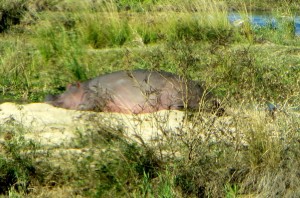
262 20
297 25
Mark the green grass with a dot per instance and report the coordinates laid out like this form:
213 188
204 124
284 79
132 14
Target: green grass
265 5
53 43
17 169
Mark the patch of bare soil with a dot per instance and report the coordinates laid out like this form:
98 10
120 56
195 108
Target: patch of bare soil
51 126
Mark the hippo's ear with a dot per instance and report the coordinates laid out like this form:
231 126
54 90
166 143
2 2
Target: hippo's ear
77 85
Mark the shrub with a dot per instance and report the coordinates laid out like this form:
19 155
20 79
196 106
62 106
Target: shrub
11 13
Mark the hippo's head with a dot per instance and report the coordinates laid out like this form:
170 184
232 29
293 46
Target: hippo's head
70 99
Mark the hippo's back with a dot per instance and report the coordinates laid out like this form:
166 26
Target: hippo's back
143 88
137 76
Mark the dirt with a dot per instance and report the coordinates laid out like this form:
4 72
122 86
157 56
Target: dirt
56 127
53 126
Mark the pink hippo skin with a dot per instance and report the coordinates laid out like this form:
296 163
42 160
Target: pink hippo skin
138 91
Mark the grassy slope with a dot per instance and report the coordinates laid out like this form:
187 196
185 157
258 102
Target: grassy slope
60 43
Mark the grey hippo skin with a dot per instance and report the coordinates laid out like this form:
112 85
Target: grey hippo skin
138 91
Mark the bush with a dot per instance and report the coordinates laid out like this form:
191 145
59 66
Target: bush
11 13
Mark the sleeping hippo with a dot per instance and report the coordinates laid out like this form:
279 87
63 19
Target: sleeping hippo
138 91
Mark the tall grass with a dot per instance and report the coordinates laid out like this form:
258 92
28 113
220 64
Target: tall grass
65 46
61 36
265 5
16 169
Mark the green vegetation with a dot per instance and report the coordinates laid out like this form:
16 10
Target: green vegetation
46 44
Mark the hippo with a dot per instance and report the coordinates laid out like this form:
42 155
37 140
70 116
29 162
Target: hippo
134 92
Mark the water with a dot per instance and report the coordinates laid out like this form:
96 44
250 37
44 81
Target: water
297 25
262 20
